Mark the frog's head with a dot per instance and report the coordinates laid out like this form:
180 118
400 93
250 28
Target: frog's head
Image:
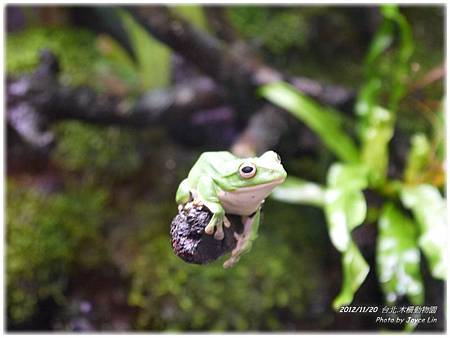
265 170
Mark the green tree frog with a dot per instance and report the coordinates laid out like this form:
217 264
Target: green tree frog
224 184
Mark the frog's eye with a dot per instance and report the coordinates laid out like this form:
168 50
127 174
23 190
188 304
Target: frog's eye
247 170
278 158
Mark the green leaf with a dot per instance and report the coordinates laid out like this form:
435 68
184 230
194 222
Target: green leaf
417 157
121 62
112 50
398 256
429 209
347 176
392 12
355 270
193 14
296 190
153 57
380 43
375 140
385 85
345 209
387 71
325 122
345 206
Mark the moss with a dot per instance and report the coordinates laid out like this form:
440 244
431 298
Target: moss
74 47
46 234
277 30
302 40
97 150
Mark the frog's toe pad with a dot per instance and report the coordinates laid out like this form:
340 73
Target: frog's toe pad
209 229
219 234
230 262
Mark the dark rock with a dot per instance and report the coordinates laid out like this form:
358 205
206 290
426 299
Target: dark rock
192 244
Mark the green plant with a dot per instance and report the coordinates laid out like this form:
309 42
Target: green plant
151 66
46 235
362 167
22 52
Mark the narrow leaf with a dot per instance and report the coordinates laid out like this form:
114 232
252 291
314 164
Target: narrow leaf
375 138
323 121
417 157
298 191
120 62
355 270
385 85
345 209
429 209
398 257
193 14
348 176
153 57
345 205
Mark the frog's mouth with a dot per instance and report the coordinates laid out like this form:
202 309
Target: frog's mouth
269 185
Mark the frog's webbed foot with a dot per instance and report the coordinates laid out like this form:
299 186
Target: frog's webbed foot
242 246
244 240
217 222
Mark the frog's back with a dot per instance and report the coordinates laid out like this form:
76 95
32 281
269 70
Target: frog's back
211 164
215 157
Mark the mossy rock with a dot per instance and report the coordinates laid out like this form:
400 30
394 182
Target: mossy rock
74 47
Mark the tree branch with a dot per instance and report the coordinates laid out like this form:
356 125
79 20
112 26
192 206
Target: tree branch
233 66
263 132
218 20
34 101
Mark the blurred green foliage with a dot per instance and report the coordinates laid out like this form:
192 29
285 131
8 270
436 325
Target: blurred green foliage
277 30
97 150
345 208
432 224
151 66
78 67
47 234
398 257
193 14
152 57
324 121
386 76
302 40
299 191
175 296
418 157
387 68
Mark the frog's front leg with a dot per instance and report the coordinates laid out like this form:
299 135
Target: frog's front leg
183 193
245 239
208 195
